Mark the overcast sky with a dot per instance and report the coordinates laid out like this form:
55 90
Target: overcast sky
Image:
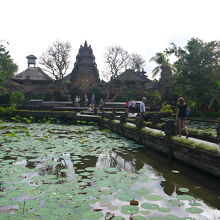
141 26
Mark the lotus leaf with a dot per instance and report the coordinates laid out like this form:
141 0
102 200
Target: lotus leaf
129 209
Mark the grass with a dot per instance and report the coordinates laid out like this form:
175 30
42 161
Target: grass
191 143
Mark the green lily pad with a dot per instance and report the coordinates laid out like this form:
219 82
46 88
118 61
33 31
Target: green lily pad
172 217
139 218
129 209
175 171
153 197
194 210
175 202
185 197
183 190
118 218
92 215
124 196
161 209
194 203
150 206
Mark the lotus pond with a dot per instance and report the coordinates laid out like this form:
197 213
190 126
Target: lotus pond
52 171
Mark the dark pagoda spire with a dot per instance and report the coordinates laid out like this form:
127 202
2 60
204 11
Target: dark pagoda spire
85 74
85 44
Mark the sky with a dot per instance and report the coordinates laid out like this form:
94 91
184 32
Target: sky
141 26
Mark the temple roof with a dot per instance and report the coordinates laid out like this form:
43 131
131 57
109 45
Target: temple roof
132 76
33 74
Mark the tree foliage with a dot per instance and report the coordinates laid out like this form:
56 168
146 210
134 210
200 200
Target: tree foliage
163 65
116 60
7 66
197 71
56 59
136 62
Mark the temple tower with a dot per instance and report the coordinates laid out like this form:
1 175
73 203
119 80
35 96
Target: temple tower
85 75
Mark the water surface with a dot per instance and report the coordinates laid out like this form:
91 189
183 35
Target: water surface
51 171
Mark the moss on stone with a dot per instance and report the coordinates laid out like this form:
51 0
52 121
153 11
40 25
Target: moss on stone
191 143
133 126
115 122
153 133
105 119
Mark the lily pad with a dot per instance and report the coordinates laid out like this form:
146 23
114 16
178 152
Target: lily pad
183 190
129 209
184 197
153 197
194 210
150 206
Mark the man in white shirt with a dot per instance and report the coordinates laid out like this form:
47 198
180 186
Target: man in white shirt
133 104
142 106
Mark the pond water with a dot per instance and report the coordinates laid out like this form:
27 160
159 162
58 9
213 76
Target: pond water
52 171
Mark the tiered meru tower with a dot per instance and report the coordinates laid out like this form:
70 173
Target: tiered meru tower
85 75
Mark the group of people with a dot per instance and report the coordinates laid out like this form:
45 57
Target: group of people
85 101
181 113
131 106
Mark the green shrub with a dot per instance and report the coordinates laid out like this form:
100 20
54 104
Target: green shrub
166 108
7 110
16 97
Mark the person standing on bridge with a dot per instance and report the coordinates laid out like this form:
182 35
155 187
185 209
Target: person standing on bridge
181 113
93 101
142 106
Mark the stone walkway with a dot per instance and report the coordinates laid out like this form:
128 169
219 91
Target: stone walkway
190 138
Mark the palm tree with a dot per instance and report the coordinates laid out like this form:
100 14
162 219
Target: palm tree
164 67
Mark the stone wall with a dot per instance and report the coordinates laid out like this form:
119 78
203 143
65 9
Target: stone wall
204 160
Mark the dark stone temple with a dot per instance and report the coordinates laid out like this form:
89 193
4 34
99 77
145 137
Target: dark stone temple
85 75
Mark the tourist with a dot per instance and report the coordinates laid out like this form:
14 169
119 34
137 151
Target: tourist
90 109
101 104
129 106
93 101
126 107
142 106
133 105
77 99
85 100
182 108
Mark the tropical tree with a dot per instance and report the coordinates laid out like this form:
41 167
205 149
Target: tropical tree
56 59
164 68
197 71
7 66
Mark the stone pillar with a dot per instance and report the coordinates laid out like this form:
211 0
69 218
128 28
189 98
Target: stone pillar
170 128
139 123
218 134
123 119
95 110
155 119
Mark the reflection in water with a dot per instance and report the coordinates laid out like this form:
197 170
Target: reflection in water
168 187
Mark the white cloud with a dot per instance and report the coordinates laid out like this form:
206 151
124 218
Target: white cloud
141 26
